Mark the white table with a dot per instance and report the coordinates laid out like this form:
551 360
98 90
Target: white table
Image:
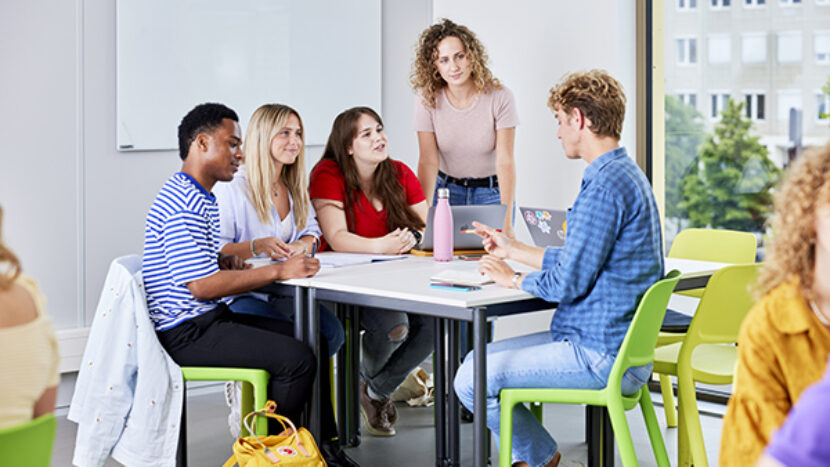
404 285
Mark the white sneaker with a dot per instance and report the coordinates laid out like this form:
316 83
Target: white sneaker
233 397
565 462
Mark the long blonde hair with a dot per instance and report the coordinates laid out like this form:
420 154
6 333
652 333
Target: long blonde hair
425 76
9 261
266 121
792 252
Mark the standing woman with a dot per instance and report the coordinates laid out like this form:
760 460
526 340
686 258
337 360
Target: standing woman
369 203
465 119
265 210
784 342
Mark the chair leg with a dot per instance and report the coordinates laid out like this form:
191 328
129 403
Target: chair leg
181 451
246 405
653 427
668 400
690 418
621 432
536 409
506 431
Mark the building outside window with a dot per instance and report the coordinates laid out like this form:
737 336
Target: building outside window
755 105
686 50
688 98
788 99
719 48
822 106
686 4
719 4
789 47
790 2
717 103
754 47
755 3
821 45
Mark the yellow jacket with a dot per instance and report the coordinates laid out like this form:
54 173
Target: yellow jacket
782 349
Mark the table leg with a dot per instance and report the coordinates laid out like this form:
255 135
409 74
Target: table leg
453 415
340 383
607 439
353 415
313 339
440 394
600 437
480 435
299 314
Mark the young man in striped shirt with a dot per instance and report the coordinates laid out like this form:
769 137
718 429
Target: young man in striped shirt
185 275
612 254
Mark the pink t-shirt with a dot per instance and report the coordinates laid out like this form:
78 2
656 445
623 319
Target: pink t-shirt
467 138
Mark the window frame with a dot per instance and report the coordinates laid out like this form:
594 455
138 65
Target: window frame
754 94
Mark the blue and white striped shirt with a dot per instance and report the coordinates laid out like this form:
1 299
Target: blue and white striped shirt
613 253
181 244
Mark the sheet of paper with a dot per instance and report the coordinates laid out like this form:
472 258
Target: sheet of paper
461 276
333 259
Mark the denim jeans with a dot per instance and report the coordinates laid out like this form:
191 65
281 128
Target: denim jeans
461 196
281 308
386 362
536 361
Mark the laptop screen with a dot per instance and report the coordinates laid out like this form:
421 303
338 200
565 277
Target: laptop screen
463 217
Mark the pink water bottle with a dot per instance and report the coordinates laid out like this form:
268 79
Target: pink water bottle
442 228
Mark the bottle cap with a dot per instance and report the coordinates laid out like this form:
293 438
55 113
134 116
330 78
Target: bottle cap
443 193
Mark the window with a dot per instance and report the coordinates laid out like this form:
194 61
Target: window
754 47
754 3
754 105
822 106
717 4
821 44
686 51
688 98
686 4
717 100
790 2
788 99
789 47
720 48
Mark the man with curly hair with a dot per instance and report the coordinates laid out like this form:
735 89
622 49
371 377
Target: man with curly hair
612 254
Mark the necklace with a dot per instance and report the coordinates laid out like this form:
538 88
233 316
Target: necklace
819 314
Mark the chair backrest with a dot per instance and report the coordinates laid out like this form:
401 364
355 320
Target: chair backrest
28 444
637 348
721 246
726 300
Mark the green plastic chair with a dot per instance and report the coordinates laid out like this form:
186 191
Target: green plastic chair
716 245
707 353
637 349
28 444
254 383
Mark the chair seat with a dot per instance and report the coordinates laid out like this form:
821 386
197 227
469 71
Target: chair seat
597 397
711 363
666 338
675 322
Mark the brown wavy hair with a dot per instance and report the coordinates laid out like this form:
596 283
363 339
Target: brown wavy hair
425 77
9 260
597 95
266 121
385 183
792 251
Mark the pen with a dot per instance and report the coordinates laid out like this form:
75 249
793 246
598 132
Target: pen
314 248
470 231
451 286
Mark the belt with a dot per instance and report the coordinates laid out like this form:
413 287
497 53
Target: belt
485 182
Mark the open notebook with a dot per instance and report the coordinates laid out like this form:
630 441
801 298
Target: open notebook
461 277
333 259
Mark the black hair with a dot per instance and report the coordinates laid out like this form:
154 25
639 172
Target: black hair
203 118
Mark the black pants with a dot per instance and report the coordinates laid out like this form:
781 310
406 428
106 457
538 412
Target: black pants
222 338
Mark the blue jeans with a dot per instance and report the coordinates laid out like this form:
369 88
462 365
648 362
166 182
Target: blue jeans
536 361
281 308
461 196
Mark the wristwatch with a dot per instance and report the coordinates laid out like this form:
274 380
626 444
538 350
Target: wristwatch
418 236
516 276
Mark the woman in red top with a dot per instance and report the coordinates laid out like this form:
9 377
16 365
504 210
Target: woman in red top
369 203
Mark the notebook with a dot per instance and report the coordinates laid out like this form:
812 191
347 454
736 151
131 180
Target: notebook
462 219
461 277
332 259
546 226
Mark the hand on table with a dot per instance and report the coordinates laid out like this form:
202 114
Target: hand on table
232 262
496 243
297 248
272 247
497 269
397 242
298 266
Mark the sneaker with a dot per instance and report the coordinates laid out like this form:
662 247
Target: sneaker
565 462
335 456
391 411
374 414
233 397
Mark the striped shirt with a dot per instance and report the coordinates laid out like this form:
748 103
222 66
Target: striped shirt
612 254
181 244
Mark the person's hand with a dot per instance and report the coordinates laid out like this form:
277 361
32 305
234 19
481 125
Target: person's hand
298 266
272 247
397 242
497 269
496 243
232 262
297 248
508 231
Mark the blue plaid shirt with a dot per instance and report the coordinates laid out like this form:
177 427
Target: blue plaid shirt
612 254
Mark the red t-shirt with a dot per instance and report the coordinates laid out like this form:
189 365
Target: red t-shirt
328 182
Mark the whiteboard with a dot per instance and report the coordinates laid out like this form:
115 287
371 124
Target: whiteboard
318 56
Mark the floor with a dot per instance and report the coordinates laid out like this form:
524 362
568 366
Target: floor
209 442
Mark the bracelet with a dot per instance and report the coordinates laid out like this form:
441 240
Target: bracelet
516 276
253 253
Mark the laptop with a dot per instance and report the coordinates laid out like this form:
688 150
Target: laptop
546 226
462 219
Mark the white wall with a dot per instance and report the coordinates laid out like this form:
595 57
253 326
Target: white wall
73 203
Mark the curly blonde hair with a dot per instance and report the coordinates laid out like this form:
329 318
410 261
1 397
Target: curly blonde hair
597 95
791 253
10 264
425 77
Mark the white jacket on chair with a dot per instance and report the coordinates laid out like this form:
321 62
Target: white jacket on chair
128 395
